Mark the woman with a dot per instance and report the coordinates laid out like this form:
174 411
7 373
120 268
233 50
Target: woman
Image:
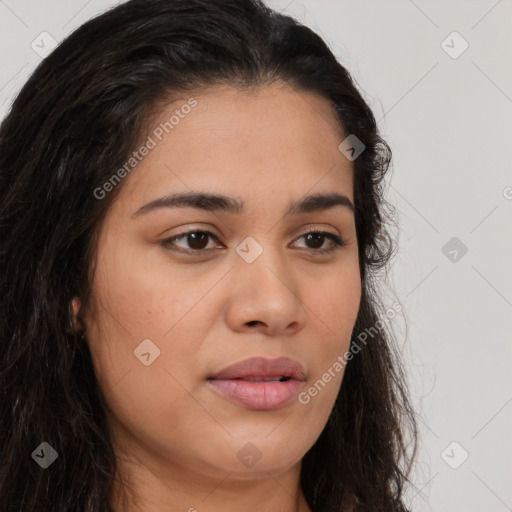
143 370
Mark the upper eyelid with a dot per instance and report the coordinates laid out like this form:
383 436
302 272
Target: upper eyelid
319 226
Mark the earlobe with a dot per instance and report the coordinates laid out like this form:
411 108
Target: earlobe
75 323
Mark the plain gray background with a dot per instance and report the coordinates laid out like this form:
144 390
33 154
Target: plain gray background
447 114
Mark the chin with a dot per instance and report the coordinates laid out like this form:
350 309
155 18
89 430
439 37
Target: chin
261 470
272 460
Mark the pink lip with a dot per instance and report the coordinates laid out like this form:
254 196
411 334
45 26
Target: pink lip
255 382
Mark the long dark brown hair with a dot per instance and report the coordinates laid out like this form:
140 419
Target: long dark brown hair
79 117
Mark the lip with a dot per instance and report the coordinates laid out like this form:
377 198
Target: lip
257 384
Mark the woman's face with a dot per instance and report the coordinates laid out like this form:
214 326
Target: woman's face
163 322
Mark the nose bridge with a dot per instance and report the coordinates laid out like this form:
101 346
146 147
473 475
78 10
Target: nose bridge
264 268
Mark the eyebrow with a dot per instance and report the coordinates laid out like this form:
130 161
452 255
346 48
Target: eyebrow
221 203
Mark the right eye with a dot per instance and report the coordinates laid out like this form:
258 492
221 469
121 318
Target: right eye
197 240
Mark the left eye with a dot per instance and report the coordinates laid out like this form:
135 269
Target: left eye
197 239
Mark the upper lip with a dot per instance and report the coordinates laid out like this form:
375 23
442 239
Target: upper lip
262 367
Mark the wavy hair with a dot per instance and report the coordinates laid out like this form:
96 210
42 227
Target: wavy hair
78 117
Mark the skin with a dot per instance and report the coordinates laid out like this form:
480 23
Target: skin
176 439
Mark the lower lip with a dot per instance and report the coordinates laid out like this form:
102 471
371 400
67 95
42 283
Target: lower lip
258 395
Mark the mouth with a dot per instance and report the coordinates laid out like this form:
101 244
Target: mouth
266 379
260 383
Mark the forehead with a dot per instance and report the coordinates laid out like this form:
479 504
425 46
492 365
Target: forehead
245 143
270 115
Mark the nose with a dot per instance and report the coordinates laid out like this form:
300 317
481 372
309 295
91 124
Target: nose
265 295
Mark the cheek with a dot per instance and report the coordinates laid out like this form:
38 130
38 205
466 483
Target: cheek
334 305
150 300
335 313
149 401
152 402
141 309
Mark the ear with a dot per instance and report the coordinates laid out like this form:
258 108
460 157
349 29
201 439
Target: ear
75 306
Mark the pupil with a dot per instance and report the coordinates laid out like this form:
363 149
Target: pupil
317 236
198 236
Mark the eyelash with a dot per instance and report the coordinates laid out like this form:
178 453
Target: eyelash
336 240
